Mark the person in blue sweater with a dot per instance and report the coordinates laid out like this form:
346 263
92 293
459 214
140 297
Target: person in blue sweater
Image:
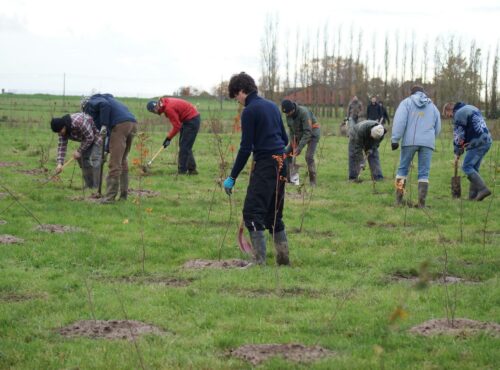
417 124
263 134
470 133
121 126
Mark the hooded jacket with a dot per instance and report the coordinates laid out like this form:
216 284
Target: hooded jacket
105 110
469 128
417 122
300 126
361 135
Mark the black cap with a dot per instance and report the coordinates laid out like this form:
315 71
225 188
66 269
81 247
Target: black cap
57 124
287 106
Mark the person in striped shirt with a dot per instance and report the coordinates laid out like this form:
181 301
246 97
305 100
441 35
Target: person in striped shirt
81 128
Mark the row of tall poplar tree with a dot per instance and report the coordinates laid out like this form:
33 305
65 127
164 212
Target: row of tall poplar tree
346 65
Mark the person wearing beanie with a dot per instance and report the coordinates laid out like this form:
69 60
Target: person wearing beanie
185 119
81 128
417 124
263 134
121 127
470 134
304 130
366 137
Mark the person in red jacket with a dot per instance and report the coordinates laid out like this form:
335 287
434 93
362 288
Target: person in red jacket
184 119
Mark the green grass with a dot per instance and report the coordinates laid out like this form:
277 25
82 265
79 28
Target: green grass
352 241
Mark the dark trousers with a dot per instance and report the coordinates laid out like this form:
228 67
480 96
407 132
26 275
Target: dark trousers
187 137
263 208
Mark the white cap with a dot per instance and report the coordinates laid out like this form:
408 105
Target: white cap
377 132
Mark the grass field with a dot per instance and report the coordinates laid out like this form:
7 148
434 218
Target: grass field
349 249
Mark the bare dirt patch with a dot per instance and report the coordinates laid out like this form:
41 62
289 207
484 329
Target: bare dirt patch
9 239
91 198
143 193
3 222
257 353
321 233
414 278
158 280
35 171
3 195
284 292
58 229
10 164
388 225
214 264
109 329
457 327
19 297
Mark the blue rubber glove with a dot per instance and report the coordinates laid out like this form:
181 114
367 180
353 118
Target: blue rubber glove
228 185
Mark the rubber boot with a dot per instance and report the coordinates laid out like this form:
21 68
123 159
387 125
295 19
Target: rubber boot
482 190
88 177
112 184
312 178
96 174
400 190
123 186
258 240
423 186
281 246
472 191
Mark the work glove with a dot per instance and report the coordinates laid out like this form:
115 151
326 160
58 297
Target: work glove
459 151
106 145
166 142
103 131
394 146
288 149
59 168
228 185
77 155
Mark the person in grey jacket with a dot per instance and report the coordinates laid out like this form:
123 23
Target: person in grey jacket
366 137
417 124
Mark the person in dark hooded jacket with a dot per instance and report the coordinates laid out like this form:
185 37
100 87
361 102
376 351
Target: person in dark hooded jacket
366 138
470 133
121 127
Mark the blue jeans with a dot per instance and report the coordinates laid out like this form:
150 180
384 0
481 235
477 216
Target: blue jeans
424 161
473 158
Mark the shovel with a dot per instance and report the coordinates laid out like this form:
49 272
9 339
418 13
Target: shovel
456 187
148 165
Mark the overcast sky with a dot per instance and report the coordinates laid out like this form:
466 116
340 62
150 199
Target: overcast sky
150 48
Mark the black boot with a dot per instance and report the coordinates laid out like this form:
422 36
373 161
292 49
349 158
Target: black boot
482 190
423 186
258 239
472 191
124 186
312 178
112 184
281 245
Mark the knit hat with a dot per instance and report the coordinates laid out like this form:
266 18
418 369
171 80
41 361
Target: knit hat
57 124
416 88
152 106
287 106
377 132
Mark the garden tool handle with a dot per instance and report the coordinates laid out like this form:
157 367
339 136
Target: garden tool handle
156 155
456 166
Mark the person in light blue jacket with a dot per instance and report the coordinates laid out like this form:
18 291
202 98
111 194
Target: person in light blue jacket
417 124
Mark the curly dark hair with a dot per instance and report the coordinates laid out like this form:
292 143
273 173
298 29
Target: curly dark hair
241 82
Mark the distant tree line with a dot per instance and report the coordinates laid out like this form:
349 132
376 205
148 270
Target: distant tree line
334 68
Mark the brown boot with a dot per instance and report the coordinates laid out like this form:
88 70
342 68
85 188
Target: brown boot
400 190
281 246
112 184
123 186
